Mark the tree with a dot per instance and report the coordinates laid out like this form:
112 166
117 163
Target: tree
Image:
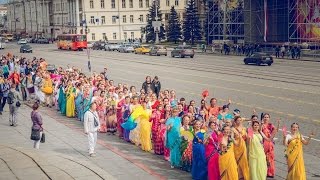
174 33
191 24
150 34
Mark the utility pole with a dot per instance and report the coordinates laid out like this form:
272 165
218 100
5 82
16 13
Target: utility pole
119 20
225 20
36 5
24 16
42 17
30 16
156 24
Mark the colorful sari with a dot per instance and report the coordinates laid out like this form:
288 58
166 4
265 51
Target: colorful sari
71 107
240 152
87 97
62 101
294 154
78 102
120 118
157 139
125 117
269 148
228 165
257 158
199 163
186 149
101 110
135 133
212 156
173 140
145 131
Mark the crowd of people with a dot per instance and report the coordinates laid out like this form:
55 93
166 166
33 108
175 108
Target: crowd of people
208 140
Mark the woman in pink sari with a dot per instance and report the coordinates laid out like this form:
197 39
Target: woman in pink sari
120 103
269 130
212 151
165 116
157 140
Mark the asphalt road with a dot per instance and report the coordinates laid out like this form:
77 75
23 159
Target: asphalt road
288 89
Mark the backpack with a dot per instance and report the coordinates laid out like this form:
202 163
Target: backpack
10 98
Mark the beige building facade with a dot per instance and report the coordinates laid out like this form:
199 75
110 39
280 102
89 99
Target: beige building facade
112 20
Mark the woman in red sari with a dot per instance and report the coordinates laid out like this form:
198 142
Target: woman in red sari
157 140
154 102
212 151
164 117
270 131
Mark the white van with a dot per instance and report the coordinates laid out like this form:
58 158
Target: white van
2 43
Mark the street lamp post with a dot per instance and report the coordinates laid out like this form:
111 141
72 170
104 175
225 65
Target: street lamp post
156 24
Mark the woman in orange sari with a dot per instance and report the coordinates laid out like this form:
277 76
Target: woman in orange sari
240 151
294 153
227 162
269 130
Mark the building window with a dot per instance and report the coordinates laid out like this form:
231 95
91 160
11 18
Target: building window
147 3
131 18
141 18
114 19
114 35
125 35
176 2
92 19
102 4
132 35
91 4
103 19
168 2
93 36
124 19
123 3
140 4
104 36
130 3
113 4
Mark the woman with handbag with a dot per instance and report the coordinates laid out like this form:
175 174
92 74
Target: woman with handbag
37 130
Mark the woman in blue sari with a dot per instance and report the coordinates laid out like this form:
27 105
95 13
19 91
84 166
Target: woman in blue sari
78 101
62 99
199 163
173 142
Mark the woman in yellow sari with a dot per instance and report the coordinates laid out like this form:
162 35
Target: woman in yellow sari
145 128
294 153
70 94
257 157
227 162
240 150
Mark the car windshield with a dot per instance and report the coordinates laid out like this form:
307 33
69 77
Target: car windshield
26 46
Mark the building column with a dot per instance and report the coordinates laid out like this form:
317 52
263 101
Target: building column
77 14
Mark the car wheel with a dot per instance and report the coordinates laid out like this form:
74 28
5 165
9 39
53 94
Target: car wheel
258 63
246 62
172 55
191 56
269 64
165 54
158 54
180 55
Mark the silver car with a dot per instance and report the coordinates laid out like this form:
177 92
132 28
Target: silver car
158 51
126 49
111 47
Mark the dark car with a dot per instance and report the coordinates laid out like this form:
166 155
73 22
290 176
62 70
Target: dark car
158 51
43 41
26 49
182 51
258 59
98 45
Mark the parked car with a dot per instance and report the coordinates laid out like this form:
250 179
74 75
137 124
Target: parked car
43 41
158 51
142 50
89 44
259 58
182 51
22 41
98 45
126 48
25 49
111 47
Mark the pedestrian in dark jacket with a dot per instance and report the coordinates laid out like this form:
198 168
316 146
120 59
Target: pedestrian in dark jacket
36 123
147 84
156 86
